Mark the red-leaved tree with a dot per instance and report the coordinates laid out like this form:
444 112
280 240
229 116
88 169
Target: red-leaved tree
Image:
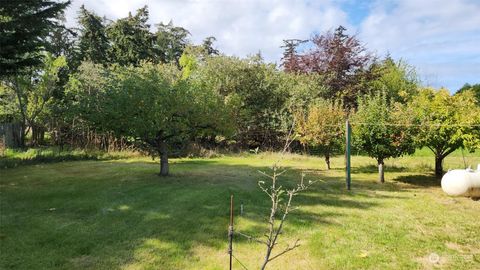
342 59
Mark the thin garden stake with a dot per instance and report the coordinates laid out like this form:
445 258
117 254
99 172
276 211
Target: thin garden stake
348 131
230 232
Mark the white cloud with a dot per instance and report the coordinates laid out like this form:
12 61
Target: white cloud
439 37
241 27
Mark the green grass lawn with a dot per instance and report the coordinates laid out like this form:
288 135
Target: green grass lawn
120 215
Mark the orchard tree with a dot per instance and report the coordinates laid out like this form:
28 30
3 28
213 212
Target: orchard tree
24 28
382 130
321 127
154 106
447 122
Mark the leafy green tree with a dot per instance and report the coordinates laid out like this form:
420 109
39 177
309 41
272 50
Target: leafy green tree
382 130
171 41
192 57
8 108
130 39
84 96
302 89
397 79
24 28
253 91
34 94
62 41
447 122
321 127
150 104
475 88
93 42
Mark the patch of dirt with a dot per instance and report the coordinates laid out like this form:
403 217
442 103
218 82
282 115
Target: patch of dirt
83 262
433 261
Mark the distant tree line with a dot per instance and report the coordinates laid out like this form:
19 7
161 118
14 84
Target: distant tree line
116 84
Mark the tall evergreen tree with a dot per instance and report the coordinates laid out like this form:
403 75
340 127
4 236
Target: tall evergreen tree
93 41
207 46
290 59
131 40
24 27
171 41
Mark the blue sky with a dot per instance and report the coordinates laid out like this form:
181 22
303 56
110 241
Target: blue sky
441 38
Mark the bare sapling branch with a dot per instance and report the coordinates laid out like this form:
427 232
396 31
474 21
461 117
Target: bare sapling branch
281 205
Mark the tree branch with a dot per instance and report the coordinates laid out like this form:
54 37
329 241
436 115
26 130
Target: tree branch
287 249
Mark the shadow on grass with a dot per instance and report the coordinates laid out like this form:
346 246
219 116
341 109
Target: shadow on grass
420 180
374 169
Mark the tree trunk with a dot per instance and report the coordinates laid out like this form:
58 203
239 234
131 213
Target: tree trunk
23 135
327 161
34 136
438 166
381 174
267 257
163 158
41 137
37 135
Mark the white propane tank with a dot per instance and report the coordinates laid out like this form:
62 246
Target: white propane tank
462 182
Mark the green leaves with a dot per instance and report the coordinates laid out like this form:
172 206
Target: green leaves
447 122
322 126
253 91
147 103
383 130
396 79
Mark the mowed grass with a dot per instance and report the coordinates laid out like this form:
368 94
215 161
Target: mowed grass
121 215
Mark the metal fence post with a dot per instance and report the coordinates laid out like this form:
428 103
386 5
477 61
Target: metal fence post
230 232
348 131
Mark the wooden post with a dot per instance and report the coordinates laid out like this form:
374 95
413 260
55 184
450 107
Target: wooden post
348 131
230 232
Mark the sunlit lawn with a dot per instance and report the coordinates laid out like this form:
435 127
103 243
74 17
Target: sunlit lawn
121 215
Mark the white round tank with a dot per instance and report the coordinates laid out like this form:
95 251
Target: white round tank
462 182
